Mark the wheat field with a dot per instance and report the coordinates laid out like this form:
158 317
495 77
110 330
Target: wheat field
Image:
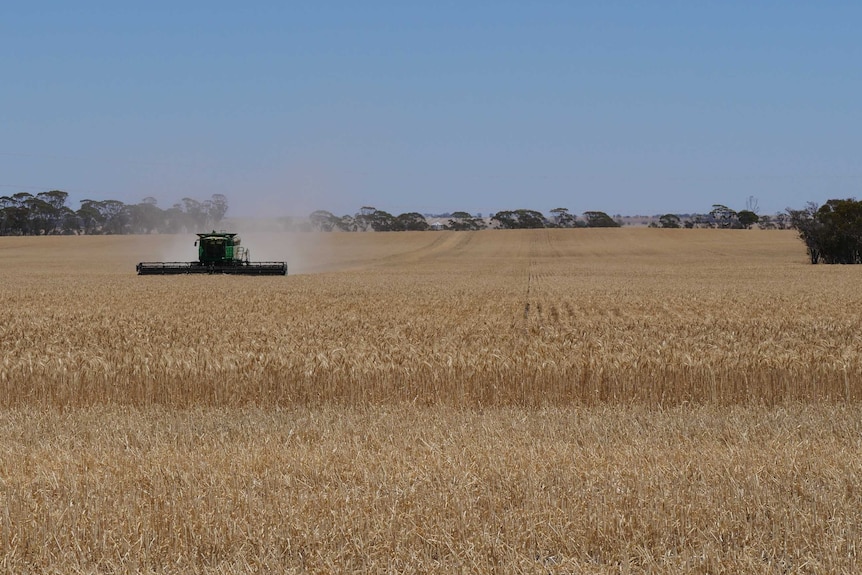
543 401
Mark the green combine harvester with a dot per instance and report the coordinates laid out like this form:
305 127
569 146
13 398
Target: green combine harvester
218 253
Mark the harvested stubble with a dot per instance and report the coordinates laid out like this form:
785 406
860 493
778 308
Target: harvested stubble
553 401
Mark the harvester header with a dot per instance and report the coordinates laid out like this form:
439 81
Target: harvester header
218 253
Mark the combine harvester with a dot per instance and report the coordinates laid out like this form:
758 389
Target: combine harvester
218 253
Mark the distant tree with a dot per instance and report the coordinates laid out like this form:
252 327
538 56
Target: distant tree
782 221
561 218
15 215
175 220
747 218
197 213
53 209
364 217
698 221
116 216
217 208
462 221
411 222
752 205
91 216
765 222
832 232
669 221
70 224
519 219
323 221
5 216
724 217
382 221
600 220
505 219
370 218
145 217
347 223
44 218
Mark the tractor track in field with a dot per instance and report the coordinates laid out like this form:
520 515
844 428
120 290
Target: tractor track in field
538 249
541 307
446 244
439 245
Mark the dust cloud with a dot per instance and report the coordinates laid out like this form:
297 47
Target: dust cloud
178 248
270 224
161 247
303 251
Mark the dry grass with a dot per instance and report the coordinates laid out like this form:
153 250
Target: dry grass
587 401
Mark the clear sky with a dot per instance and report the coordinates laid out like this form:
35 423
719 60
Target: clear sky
624 107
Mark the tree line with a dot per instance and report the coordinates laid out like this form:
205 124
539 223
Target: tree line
723 217
371 219
832 233
46 213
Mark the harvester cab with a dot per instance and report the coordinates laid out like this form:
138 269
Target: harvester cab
220 248
218 253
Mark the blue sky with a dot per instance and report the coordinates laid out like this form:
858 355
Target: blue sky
287 107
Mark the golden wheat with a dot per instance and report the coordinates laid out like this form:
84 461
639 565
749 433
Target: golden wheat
552 401
432 490
549 317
